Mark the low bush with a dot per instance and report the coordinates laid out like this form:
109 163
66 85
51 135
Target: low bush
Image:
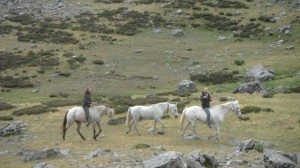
250 109
214 77
239 62
6 117
98 62
38 109
10 60
6 106
11 82
295 89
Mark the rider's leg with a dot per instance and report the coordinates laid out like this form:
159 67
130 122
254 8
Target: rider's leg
208 116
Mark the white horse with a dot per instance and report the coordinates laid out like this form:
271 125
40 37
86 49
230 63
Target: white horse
217 115
77 114
154 111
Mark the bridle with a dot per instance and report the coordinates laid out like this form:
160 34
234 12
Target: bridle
234 109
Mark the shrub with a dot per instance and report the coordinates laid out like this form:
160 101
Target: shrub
5 106
98 62
11 82
249 109
68 54
10 60
38 109
6 117
295 89
214 77
239 62
141 146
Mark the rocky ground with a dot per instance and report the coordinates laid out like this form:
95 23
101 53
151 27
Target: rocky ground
41 9
241 155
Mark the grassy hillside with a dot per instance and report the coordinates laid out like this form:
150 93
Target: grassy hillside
127 49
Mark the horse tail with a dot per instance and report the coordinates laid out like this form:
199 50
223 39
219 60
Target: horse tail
182 117
64 125
128 118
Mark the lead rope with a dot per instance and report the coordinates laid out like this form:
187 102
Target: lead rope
168 108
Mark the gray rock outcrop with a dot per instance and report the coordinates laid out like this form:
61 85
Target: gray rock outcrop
42 155
255 78
196 159
13 128
258 72
187 85
96 153
278 159
177 33
169 159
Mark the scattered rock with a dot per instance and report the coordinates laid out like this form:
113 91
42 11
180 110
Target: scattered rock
13 128
160 147
198 160
3 152
279 42
221 38
165 160
250 87
157 30
247 145
35 90
43 165
187 85
139 51
289 47
284 28
191 137
42 155
177 32
96 153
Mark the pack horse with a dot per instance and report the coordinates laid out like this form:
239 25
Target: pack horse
154 111
76 114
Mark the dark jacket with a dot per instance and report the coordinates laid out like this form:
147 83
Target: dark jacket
87 100
205 102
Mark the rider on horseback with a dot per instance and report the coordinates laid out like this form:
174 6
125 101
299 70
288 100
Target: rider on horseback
87 101
205 98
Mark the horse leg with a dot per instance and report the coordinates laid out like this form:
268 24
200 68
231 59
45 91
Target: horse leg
95 136
194 127
130 125
94 131
218 132
78 129
134 124
188 123
154 126
162 125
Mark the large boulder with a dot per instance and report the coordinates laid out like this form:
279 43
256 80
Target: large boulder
278 159
250 87
258 72
187 85
255 78
169 159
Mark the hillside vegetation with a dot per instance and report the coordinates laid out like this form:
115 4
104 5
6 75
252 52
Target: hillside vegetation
128 52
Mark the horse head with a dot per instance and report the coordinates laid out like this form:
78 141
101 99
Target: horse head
173 109
110 113
236 108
